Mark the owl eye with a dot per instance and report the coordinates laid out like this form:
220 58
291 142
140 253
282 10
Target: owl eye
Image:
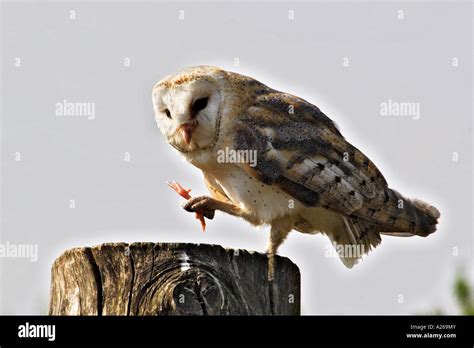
168 113
200 104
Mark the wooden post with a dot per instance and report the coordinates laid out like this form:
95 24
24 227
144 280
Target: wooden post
171 279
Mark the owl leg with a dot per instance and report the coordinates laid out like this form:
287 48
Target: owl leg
208 205
278 233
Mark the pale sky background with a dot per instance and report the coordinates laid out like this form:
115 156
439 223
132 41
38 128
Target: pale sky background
82 60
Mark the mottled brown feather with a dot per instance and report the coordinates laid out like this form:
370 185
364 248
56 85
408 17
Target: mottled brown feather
301 150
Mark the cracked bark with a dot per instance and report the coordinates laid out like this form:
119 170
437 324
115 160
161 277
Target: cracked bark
171 279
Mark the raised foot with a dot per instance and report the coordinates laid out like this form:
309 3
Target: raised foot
185 194
202 204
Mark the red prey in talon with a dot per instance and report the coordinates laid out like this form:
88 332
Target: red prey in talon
185 194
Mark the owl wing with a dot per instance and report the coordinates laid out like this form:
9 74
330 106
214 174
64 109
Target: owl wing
300 150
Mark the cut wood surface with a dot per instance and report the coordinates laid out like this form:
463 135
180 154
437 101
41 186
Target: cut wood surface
171 279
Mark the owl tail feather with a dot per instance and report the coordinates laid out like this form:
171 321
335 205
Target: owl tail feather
422 216
428 215
353 239
356 237
430 211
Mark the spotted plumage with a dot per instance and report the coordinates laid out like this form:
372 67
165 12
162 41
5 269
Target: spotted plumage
307 177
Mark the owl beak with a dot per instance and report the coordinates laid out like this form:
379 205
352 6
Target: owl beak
187 130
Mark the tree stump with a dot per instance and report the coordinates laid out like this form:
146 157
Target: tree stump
171 279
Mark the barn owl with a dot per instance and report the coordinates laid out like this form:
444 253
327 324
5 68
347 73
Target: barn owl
275 159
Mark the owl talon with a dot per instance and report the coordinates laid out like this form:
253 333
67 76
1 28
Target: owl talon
201 204
209 214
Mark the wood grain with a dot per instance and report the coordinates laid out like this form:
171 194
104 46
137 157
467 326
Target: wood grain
171 279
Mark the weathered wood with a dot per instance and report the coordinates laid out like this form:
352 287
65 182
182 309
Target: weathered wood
171 279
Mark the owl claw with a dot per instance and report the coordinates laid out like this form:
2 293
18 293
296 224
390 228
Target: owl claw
185 194
209 214
201 204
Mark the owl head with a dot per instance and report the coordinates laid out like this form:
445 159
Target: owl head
188 105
